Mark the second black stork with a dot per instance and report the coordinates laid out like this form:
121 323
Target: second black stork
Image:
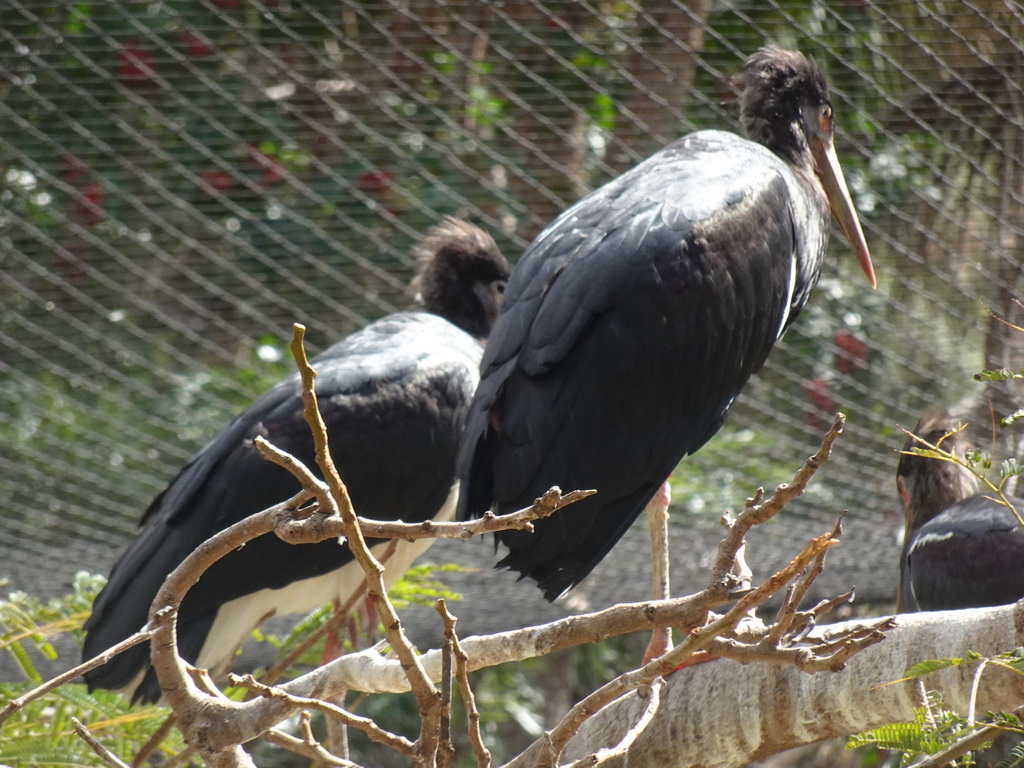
961 548
393 395
633 321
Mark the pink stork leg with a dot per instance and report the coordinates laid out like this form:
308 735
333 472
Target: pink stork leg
657 525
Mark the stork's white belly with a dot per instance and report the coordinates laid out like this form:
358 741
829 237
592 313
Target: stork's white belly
237 619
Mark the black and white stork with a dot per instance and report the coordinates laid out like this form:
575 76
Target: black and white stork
961 548
394 397
633 321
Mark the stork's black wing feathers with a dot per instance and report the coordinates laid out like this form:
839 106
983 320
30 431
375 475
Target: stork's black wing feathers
403 382
970 555
618 289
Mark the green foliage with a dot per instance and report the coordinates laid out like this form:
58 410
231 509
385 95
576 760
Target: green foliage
24 620
932 665
1012 418
1014 759
420 586
1003 374
933 730
977 461
41 733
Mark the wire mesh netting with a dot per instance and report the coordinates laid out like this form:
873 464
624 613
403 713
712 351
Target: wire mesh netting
181 181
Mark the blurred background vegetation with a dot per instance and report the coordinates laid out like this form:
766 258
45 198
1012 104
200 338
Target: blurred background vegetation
181 181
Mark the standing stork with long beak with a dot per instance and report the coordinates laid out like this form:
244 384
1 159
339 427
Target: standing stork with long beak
634 320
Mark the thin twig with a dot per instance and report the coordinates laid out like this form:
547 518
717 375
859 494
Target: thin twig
315 752
828 655
446 749
789 615
656 689
757 511
340 614
19 703
105 754
328 528
331 526
697 640
960 748
423 689
941 454
476 739
373 731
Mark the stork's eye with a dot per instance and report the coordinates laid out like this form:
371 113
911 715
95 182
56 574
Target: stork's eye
825 116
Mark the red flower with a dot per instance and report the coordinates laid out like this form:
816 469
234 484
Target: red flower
88 208
851 352
72 167
194 45
134 64
270 170
376 183
218 179
819 393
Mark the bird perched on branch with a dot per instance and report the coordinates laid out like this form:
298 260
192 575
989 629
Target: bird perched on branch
634 320
394 397
961 548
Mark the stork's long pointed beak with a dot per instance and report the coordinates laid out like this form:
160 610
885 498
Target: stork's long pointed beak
831 175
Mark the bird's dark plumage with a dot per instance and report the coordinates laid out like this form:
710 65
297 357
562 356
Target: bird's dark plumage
961 548
633 321
393 395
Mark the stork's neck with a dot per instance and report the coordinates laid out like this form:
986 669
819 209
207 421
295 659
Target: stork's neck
939 485
785 139
811 217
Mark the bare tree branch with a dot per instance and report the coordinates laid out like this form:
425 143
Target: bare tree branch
105 754
483 755
329 526
698 639
374 732
210 722
314 751
781 707
602 756
216 726
153 743
755 511
19 703
446 749
422 687
308 746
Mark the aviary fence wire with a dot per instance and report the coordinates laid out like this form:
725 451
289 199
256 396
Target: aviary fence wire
181 181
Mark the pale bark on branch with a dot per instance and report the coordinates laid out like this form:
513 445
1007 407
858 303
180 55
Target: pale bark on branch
724 714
